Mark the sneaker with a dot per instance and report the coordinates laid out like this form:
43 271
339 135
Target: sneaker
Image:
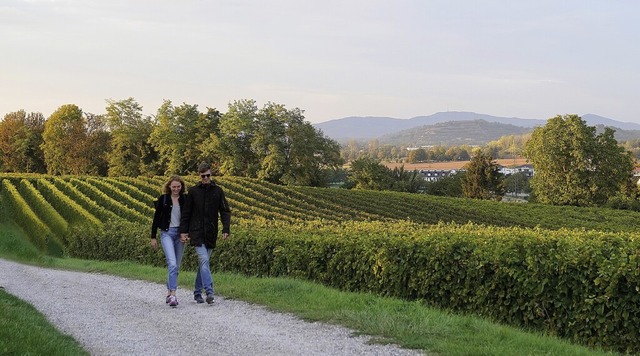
198 299
210 299
173 301
168 299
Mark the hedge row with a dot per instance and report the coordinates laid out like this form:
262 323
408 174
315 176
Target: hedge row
45 211
579 285
37 231
71 211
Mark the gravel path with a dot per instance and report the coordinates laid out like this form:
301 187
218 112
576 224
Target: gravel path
117 316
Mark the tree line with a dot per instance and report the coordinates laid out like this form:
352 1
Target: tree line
271 143
574 164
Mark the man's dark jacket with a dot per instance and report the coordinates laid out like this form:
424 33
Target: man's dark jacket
202 206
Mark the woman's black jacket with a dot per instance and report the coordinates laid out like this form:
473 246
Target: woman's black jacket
162 215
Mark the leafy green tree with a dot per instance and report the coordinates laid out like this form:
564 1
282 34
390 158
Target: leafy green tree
273 144
97 145
574 165
131 153
233 144
517 183
482 179
450 186
368 173
65 142
417 155
407 181
20 140
178 135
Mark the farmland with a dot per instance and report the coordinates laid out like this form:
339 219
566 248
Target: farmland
571 272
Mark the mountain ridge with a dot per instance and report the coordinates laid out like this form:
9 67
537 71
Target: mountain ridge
376 127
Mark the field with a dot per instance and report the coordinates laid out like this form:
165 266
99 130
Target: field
452 164
570 272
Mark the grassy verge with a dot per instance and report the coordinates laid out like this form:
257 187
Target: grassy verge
25 331
409 324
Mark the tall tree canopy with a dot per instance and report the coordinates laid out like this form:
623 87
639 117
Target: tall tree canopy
66 142
178 136
131 153
273 144
482 179
574 165
20 140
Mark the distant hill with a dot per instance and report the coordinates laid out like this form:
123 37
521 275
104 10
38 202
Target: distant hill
387 128
475 132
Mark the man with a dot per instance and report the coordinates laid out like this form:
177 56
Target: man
204 203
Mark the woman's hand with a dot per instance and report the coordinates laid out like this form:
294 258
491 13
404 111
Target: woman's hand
154 244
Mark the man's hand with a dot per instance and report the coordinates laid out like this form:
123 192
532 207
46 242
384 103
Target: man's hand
225 235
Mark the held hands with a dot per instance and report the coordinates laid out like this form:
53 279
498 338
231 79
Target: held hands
184 238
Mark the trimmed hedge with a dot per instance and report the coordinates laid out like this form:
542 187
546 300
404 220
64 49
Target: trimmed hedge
37 231
43 209
579 285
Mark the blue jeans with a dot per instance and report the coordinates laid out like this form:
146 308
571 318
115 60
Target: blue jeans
203 277
173 251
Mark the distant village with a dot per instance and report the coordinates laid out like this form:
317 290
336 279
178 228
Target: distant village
432 175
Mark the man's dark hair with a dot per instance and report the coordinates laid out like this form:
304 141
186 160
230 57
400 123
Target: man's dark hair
203 167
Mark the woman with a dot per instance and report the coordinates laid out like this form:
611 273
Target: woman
167 219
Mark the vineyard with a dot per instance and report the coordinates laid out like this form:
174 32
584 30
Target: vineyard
571 272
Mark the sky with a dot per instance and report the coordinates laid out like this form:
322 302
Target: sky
330 58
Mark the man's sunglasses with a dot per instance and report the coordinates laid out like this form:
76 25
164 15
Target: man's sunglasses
205 175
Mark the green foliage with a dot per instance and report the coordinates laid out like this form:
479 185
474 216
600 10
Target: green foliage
43 209
574 166
450 186
20 140
367 173
131 153
579 284
178 137
20 212
575 284
517 183
65 141
482 179
65 205
105 202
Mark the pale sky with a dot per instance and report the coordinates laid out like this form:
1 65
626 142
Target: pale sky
330 58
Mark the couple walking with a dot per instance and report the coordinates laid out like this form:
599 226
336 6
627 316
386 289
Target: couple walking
192 218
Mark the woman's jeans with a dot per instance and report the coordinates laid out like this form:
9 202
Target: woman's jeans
203 278
173 251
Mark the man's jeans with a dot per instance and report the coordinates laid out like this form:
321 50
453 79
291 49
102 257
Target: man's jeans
203 278
173 251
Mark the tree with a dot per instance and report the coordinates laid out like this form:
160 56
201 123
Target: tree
20 140
65 142
367 173
575 166
517 183
417 155
131 153
273 144
407 181
178 135
450 186
482 179
97 145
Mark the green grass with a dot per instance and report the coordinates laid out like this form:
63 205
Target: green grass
408 323
25 331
